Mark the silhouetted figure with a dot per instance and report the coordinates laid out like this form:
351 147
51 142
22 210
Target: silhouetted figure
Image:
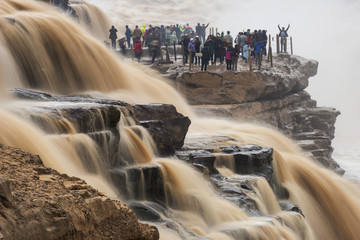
128 35
122 46
235 56
185 40
113 36
203 31
154 47
219 49
205 57
210 45
197 50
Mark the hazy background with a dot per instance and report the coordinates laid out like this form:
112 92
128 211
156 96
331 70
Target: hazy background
325 30
329 32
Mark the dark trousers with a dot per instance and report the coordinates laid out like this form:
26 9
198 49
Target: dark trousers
234 63
219 55
113 43
197 60
192 57
228 64
186 55
204 65
154 54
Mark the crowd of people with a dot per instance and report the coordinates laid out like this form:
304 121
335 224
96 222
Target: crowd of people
215 47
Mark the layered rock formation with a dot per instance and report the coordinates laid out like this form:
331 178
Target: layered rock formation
99 119
273 96
91 115
60 204
39 203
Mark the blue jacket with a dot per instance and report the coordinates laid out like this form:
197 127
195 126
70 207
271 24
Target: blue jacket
128 33
259 46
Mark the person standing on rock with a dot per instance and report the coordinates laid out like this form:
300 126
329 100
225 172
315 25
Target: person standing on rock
283 37
197 50
205 58
245 54
128 35
219 49
137 33
185 41
203 31
228 58
113 36
173 38
167 35
154 47
235 57
228 39
138 50
191 47
210 45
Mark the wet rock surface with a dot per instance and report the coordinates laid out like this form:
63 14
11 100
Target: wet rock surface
247 160
90 115
39 203
271 96
167 127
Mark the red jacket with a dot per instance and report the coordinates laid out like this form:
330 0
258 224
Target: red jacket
138 47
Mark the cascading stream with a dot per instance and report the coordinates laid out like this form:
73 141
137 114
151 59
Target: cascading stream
46 50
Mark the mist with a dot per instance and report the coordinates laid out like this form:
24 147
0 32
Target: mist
326 31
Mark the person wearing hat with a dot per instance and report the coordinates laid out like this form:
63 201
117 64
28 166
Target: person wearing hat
191 46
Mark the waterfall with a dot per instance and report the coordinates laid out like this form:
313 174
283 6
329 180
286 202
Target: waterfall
46 50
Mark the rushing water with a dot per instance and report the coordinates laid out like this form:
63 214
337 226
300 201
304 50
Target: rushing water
338 70
46 50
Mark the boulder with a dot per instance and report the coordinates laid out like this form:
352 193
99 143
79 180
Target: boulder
49 205
290 74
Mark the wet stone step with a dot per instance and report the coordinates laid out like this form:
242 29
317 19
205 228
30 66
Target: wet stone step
246 160
140 183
